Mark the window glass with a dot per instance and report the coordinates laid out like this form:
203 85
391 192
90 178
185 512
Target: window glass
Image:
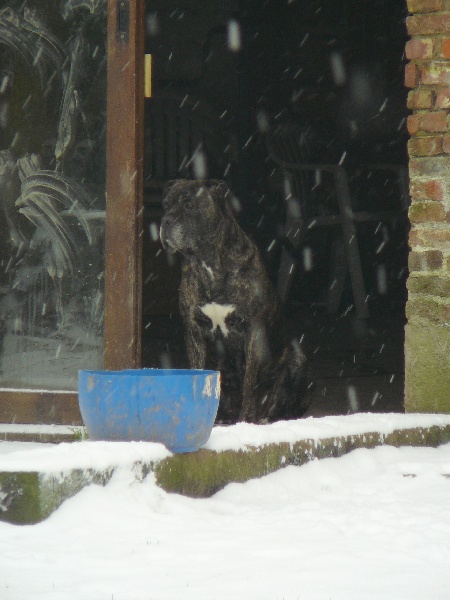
52 191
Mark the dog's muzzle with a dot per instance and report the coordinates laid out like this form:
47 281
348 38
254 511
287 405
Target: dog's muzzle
170 234
162 235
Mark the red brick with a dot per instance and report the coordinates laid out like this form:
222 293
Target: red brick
443 98
430 145
446 143
427 308
434 285
419 48
421 98
430 122
445 47
411 75
413 124
434 122
426 212
428 24
430 238
424 6
436 73
426 190
425 261
431 168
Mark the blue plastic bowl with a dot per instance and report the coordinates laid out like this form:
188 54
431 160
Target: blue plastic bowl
176 407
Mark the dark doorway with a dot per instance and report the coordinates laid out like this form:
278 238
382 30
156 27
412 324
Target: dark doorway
244 89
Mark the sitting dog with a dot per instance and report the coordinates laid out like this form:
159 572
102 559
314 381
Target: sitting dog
230 310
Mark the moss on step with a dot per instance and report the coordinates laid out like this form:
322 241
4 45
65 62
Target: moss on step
19 497
30 497
203 473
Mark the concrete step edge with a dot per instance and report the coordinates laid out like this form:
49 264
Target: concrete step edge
30 497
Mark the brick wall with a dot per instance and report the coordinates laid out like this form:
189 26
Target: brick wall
427 339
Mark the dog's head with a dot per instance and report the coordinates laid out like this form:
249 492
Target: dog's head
194 212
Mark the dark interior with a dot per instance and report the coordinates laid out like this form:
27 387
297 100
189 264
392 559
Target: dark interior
242 91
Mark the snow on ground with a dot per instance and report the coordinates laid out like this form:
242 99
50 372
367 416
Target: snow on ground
374 524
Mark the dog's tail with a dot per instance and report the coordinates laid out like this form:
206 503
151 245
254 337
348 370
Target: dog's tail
292 392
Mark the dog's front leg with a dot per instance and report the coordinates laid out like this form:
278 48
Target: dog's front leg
195 347
256 355
194 340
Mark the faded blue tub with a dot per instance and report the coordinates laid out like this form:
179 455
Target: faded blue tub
176 407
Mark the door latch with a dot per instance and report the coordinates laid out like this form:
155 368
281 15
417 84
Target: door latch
148 76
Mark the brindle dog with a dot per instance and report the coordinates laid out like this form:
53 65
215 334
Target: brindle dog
230 310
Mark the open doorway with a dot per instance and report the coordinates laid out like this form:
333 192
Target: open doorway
255 87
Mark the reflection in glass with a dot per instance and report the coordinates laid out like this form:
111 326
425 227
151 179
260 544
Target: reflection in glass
52 190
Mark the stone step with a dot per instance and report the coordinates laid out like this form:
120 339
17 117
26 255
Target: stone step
35 481
53 434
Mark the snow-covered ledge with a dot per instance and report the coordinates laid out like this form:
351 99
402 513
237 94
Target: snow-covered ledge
35 480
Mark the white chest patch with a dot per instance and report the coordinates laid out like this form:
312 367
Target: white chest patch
218 313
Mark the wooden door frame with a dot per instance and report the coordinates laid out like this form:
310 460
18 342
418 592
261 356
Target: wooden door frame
124 221
124 188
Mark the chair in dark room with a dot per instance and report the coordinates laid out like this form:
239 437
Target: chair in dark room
338 209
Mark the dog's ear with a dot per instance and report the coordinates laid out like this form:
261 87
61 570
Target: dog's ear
218 187
168 185
227 200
